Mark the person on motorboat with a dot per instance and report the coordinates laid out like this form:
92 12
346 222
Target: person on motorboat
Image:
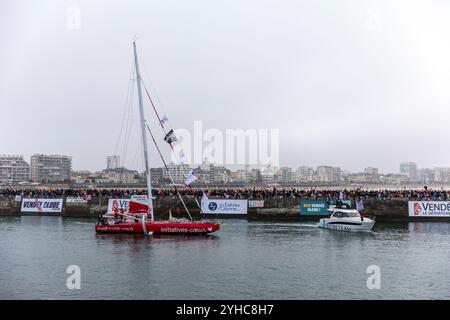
360 207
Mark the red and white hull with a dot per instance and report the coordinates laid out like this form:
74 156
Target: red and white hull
159 227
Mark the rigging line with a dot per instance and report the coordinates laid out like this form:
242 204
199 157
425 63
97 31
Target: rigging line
171 146
129 116
159 119
126 142
128 126
165 165
152 85
154 108
168 171
135 155
132 163
130 82
162 126
159 102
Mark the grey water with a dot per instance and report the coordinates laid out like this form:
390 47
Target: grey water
244 260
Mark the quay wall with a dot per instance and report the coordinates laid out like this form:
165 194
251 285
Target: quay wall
274 209
383 210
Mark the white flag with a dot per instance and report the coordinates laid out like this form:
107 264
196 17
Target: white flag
182 156
203 201
191 177
163 120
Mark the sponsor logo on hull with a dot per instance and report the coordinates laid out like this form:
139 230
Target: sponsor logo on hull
335 226
115 228
184 230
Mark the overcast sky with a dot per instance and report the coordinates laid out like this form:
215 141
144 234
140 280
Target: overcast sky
348 83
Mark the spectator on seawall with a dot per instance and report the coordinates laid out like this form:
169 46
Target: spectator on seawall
258 193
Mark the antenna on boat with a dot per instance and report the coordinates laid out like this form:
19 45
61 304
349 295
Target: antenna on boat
144 135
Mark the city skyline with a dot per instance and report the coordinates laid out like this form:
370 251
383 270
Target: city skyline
118 164
58 169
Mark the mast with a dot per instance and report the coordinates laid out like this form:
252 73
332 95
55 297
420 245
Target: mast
144 136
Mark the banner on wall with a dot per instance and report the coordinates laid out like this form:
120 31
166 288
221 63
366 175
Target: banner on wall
256 203
76 200
429 208
313 207
139 197
224 206
41 205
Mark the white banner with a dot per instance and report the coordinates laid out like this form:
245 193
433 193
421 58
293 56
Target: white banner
124 204
139 197
78 200
224 206
256 203
429 208
42 205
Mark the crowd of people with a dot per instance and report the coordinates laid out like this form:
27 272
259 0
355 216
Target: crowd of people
259 193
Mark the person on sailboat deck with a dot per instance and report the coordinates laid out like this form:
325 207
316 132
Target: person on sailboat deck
118 217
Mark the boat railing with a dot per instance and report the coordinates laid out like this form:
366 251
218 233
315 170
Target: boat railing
370 217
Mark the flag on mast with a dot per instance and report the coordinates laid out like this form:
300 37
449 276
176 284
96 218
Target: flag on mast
163 120
182 156
190 178
170 137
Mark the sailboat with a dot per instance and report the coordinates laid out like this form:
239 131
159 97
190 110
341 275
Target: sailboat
139 219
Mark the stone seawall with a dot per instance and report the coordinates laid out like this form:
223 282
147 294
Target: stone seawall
383 210
275 209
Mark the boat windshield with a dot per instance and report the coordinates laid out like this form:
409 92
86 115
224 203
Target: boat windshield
346 214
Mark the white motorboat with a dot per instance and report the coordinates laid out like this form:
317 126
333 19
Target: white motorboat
344 219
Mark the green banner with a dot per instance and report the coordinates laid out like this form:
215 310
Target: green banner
313 207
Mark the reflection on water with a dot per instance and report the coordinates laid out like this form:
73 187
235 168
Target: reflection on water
244 260
423 227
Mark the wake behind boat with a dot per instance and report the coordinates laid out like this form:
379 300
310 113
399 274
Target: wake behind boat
346 219
139 219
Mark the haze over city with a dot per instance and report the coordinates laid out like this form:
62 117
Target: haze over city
348 83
